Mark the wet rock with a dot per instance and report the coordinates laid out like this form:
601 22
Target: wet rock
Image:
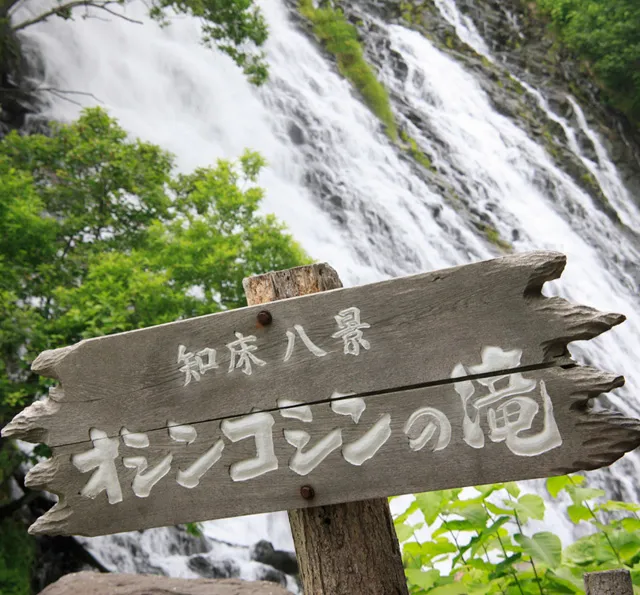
186 544
84 583
296 133
17 70
208 568
264 552
271 575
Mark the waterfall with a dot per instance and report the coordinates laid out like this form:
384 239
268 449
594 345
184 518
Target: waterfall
349 196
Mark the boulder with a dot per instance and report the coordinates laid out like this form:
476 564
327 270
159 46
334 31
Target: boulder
82 583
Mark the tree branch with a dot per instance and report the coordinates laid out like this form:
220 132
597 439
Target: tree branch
61 94
61 9
120 16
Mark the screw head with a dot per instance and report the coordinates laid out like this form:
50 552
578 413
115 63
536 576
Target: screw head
307 492
264 317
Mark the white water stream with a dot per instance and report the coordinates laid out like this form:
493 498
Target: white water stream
370 215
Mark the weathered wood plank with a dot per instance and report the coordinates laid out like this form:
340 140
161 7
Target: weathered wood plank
588 440
419 328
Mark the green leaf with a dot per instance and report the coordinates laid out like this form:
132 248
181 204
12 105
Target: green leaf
630 524
588 551
505 567
512 488
425 579
529 506
493 509
456 525
401 518
615 506
450 589
556 484
578 513
430 503
579 495
487 535
558 585
403 531
429 549
543 547
471 511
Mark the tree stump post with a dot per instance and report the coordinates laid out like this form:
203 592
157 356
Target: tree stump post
608 582
347 548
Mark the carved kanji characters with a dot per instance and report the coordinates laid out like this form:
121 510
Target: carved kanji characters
515 415
259 426
291 340
101 458
350 331
436 421
303 462
242 354
196 364
143 482
365 447
190 477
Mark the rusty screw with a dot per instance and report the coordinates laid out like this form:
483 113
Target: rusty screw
307 492
264 317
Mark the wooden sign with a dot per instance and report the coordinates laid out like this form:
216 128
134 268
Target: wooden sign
452 378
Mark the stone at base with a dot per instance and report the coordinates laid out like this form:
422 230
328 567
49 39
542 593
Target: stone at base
83 583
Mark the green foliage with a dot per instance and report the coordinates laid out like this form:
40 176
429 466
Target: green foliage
414 150
493 235
236 27
341 39
411 12
98 236
194 529
16 557
606 33
482 544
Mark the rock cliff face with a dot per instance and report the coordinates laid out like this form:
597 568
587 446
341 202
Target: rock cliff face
17 97
520 38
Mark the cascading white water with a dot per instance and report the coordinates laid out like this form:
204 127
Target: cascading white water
603 168
336 180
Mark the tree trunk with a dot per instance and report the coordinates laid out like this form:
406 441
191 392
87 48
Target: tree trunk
342 549
608 582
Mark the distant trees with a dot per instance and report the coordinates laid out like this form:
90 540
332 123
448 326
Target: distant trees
606 33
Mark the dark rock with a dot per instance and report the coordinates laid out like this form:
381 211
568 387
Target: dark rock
264 552
272 575
185 544
296 133
208 568
17 98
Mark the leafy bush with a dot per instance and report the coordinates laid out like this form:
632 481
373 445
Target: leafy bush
98 235
16 556
341 39
483 544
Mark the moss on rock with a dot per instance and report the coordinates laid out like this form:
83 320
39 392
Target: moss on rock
341 39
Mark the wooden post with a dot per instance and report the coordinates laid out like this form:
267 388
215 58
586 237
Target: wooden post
608 582
344 548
